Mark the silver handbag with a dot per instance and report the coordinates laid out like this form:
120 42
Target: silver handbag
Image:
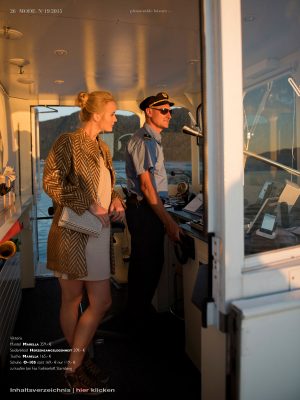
86 223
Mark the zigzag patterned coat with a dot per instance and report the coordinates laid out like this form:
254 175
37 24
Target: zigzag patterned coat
71 178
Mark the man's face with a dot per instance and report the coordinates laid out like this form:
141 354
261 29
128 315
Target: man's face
160 115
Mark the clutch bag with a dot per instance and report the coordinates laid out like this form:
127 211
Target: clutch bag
86 223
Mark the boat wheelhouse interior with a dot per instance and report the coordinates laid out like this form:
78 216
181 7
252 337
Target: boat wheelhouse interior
227 309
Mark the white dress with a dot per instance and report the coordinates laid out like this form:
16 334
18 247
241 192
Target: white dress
97 250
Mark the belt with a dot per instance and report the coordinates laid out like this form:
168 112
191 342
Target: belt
133 199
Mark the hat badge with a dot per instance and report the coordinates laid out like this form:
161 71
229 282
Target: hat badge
164 95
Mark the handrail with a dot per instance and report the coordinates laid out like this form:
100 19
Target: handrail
271 162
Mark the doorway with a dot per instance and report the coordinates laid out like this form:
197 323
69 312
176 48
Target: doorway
51 123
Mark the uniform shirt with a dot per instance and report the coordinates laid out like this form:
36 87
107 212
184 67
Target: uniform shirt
144 152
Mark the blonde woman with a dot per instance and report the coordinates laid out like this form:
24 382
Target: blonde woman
78 174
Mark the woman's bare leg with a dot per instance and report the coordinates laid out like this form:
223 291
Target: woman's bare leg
71 296
99 302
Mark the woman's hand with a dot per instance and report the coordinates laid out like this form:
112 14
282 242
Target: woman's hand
116 210
101 213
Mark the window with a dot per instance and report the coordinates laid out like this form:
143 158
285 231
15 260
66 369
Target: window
177 148
271 127
127 124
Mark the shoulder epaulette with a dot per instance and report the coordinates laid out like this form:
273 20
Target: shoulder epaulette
147 136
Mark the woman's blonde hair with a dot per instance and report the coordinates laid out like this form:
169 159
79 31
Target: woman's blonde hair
93 102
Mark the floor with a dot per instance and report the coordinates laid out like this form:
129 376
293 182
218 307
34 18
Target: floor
151 363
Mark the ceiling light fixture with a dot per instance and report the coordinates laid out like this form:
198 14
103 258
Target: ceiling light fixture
10 34
59 81
60 52
19 62
25 81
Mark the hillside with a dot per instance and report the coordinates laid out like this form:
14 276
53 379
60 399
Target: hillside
176 145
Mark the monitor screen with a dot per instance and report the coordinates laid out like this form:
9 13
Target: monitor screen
268 223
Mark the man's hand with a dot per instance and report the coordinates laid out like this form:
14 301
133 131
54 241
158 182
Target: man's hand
151 195
116 210
173 230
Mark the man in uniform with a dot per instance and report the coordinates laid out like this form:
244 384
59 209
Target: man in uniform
146 216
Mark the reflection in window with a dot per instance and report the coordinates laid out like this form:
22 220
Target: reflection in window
271 125
268 123
269 131
270 188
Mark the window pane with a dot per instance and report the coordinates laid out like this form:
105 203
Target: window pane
177 148
127 124
271 124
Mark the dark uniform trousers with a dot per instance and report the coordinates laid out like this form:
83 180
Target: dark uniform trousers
147 255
